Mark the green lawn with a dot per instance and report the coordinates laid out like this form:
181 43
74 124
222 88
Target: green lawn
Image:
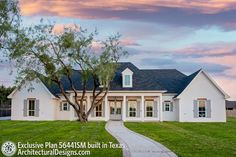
192 139
59 131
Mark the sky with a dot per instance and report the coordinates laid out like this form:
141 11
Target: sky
186 35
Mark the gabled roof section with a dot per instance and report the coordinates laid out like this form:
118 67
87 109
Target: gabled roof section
141 80
124 65
40 81
187 81
164 80
127 71
169 79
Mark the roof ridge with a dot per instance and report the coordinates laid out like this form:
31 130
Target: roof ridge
159 69
196 72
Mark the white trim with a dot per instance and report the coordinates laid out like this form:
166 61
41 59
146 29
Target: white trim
217 86
37 79
160 115
214 83
146 111
127 72
205 108
130 85
63 104
27 106
125 91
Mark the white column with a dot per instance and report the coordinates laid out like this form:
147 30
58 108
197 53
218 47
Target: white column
88 105
72 117
124 109
106 109
160 108
142 108
179 112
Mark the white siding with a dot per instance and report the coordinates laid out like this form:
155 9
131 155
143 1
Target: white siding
168 115
62 115
39 91
202 87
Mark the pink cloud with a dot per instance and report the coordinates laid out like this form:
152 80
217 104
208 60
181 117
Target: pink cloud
220 53
228 85
129 42
68 8
60 28
230 25
212 49
223 60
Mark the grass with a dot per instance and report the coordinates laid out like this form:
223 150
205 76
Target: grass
192 139
59 131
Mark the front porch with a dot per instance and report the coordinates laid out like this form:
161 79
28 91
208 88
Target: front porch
127 107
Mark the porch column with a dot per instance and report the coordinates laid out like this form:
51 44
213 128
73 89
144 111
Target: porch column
160 108
142 108
88 105
72 117
106 109
124 109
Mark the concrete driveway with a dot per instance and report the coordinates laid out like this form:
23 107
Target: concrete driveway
136 145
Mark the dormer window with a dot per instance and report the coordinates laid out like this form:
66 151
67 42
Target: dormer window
127 78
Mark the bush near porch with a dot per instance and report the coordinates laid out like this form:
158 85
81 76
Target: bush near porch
192 139
59 131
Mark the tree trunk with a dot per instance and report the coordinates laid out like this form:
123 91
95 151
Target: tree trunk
81 117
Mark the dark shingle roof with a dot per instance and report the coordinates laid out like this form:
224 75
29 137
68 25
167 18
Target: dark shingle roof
186 81
230 104
170 80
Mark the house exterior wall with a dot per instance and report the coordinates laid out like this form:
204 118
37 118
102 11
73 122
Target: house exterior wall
35 90
124 95
62 115
201 87
170 115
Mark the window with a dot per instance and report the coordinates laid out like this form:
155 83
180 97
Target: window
132 108
31 107
149 108
168 106
65 106
99 111
201 108
127 80
112 107
229 108
118 107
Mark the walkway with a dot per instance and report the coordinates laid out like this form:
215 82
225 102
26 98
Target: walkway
136 145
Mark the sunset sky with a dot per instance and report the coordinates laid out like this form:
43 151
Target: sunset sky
182 34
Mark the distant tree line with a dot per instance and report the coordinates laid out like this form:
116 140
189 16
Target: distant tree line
4 92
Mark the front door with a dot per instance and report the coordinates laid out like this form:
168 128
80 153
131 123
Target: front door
115 110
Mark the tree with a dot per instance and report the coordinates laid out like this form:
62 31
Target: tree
9 19
39 52
5 91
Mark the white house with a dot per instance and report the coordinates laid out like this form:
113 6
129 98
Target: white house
135 95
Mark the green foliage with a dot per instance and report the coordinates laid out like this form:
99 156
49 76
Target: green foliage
192 139
9 19
40 50
4 92
66 131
